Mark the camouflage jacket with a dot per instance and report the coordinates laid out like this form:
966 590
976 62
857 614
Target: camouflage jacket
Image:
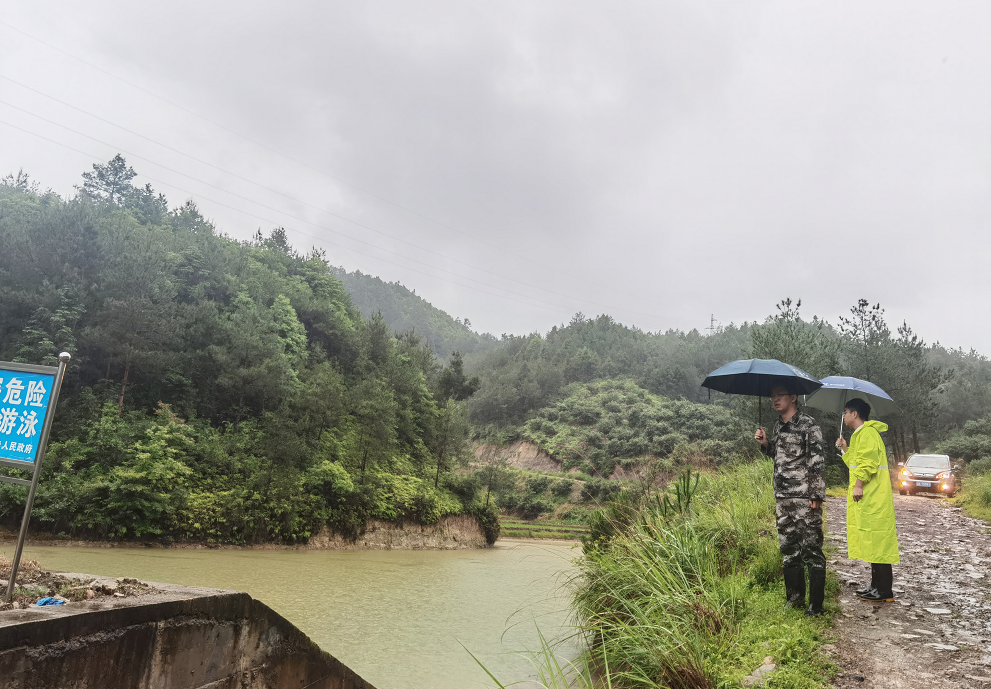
799 465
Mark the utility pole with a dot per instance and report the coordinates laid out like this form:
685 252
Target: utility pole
712 324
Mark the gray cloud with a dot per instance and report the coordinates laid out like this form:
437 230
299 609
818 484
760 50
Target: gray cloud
659 161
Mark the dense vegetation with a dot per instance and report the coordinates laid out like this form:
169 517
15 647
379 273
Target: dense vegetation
598 426
219 390
938 389
527 373
681 589
404 311
972 443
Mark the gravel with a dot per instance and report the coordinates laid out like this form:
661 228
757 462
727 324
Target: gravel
938 632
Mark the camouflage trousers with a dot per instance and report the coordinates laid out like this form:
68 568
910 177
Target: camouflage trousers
800 533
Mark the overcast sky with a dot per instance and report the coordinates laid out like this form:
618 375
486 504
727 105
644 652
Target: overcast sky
516 162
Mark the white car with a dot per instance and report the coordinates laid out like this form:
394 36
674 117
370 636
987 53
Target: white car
927 474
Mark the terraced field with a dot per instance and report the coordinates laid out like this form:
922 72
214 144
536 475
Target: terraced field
513 527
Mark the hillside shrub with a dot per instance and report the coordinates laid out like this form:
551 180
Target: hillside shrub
488 519
598 425
537 485
971 443
979 467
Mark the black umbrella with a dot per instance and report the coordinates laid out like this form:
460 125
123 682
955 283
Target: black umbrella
758 376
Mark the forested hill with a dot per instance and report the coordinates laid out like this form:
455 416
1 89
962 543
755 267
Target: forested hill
938 390
403 310
232 391
219 390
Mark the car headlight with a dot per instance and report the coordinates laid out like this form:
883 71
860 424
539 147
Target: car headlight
944 474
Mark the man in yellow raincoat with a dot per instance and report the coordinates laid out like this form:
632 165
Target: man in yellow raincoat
870 511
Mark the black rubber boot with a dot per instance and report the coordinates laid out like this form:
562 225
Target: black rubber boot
881 593
795 587
872 585
817 591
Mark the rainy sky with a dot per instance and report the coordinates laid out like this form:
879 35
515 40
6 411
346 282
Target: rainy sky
517 162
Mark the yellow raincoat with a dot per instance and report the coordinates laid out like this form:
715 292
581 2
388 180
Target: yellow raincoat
870 523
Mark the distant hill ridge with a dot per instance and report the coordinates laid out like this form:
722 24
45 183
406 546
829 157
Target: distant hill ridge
403 310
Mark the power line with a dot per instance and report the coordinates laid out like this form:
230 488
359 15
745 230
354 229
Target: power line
550 306
322 239
555 307
310 167
327 229
275 191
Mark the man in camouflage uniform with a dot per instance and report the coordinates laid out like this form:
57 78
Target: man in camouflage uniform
799 488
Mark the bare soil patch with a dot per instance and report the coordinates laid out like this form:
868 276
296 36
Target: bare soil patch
519 455
35 583
937 633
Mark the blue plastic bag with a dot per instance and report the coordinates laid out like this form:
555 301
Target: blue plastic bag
50 601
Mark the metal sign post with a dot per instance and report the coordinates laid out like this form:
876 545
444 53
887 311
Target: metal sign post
26 391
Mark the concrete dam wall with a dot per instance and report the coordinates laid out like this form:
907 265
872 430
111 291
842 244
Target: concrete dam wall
172 638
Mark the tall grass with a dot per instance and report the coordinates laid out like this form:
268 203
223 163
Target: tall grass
684 591
662 596
975 498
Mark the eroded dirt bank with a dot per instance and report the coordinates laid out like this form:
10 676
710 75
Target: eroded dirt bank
518 455
937 633
453 532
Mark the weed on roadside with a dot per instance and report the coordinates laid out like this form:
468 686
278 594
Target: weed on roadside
975 497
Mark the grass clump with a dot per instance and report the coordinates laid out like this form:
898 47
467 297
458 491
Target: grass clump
975 497
684 591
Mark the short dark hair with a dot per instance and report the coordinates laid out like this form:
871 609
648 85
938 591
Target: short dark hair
789 387
860 406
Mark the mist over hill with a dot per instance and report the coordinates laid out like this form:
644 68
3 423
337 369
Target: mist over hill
403 311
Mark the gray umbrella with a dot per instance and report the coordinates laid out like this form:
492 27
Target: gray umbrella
836 391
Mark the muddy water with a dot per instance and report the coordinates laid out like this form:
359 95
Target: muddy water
398 618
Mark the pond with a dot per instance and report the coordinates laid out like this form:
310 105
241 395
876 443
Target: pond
396 617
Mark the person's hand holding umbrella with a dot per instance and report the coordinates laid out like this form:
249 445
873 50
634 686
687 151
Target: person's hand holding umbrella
858 487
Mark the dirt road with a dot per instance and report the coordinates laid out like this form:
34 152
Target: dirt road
937 633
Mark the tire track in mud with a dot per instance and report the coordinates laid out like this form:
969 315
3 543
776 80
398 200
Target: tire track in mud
937 633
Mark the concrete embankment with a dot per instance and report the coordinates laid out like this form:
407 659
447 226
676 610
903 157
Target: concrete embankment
174 638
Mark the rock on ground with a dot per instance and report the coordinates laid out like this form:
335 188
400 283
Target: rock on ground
937 633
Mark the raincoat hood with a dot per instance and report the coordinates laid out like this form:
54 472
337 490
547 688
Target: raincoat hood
878 426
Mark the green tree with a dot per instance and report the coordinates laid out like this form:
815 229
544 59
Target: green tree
255 362
868 351
110 182
812 346
453 383
452 437
51 329
918 383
